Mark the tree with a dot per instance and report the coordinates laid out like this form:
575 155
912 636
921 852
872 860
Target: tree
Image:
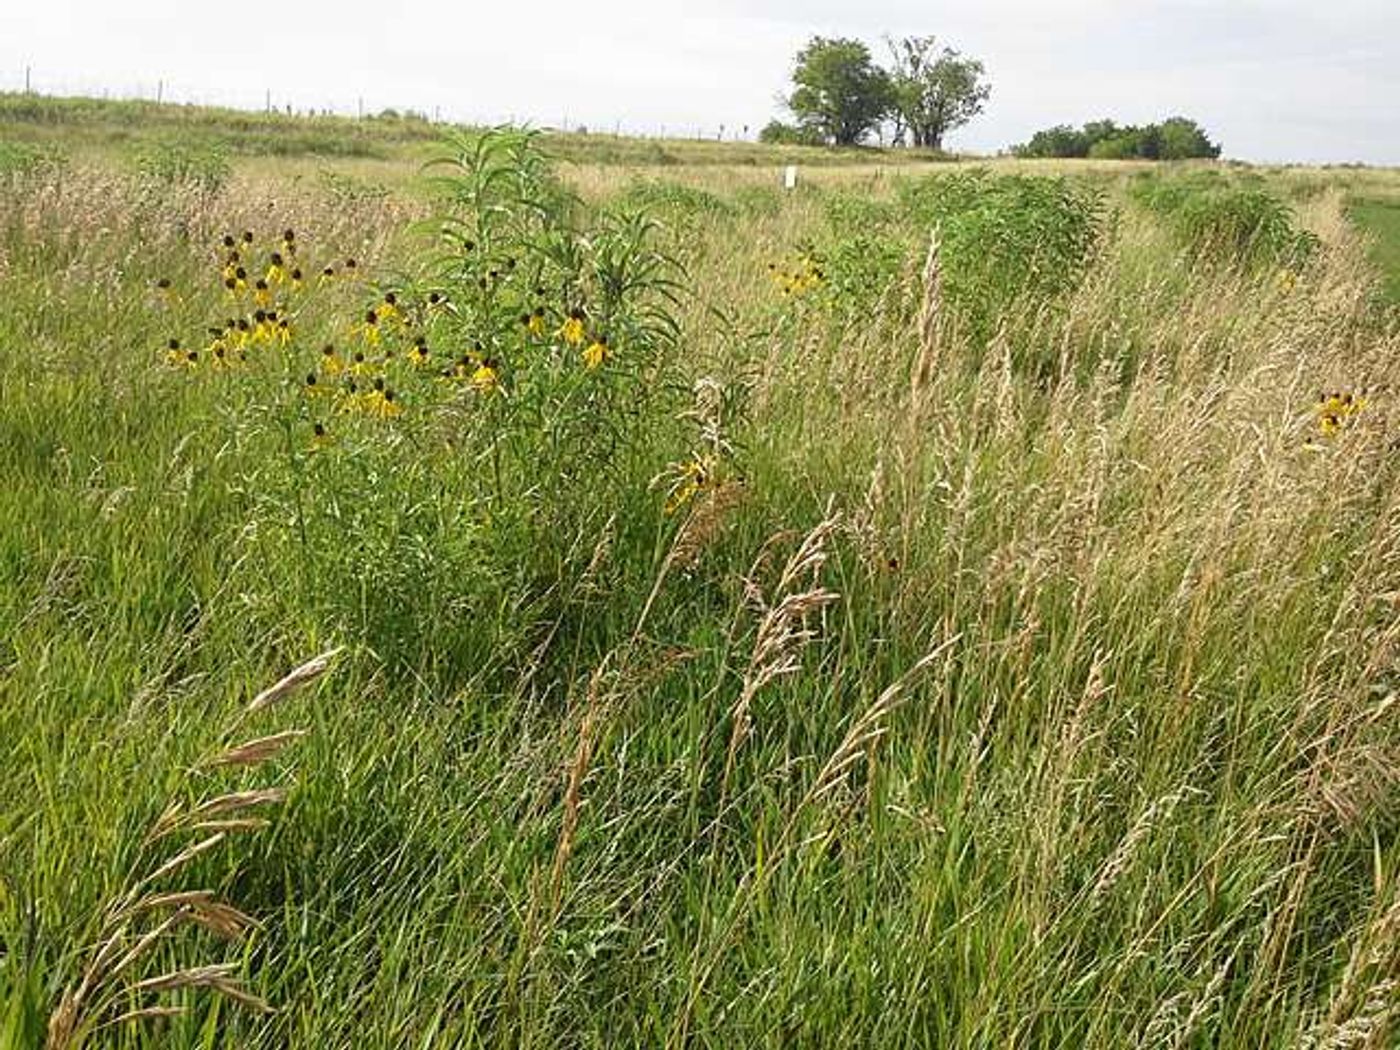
1183 139
838 91
1174 139
936 89
1059 141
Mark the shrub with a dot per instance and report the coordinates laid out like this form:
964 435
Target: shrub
1007 238
202 163
777 133
1215 219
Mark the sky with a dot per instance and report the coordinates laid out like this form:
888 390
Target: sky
1273 80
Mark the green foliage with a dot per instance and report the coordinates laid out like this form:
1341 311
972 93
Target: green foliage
778 133
838 91
1218 219
1380 217
1183 139
515 244
859 272
23 158
851 213
935 90
200 163
1174 139
1007 239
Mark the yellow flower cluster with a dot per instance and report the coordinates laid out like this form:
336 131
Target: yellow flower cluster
385 350
797 279
1336 411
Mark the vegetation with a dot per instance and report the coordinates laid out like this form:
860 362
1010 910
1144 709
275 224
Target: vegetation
345 146
935 91
1236 223
542 604
1175 139
841 96
1380 217
776 132
838 91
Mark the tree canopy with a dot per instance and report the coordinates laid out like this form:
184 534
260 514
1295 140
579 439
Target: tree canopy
839 91
935 89
841 95
1176 138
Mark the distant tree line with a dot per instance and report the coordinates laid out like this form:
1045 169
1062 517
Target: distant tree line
841 97
1175 139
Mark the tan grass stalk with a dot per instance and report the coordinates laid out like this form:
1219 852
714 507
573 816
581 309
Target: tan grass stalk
573 794
256 752
784 631
930 313
124 943
292 682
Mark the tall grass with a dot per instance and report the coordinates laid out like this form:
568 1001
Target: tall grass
1019 684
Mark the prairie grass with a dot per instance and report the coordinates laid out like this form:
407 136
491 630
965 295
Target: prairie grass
1027 683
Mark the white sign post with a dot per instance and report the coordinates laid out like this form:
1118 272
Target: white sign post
790 177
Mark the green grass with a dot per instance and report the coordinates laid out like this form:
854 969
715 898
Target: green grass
1380 217
590 770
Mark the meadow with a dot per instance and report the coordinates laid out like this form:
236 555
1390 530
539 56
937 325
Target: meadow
470 588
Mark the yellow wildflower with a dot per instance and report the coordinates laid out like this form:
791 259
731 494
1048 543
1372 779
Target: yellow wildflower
688 480
257 331
220 359
596 353
381 402
486 378
1335 411
236 282
369 330
572 329
389 310
276 270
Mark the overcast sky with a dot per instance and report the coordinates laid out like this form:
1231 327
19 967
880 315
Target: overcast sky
1274 80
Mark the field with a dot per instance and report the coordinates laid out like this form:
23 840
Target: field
949 604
